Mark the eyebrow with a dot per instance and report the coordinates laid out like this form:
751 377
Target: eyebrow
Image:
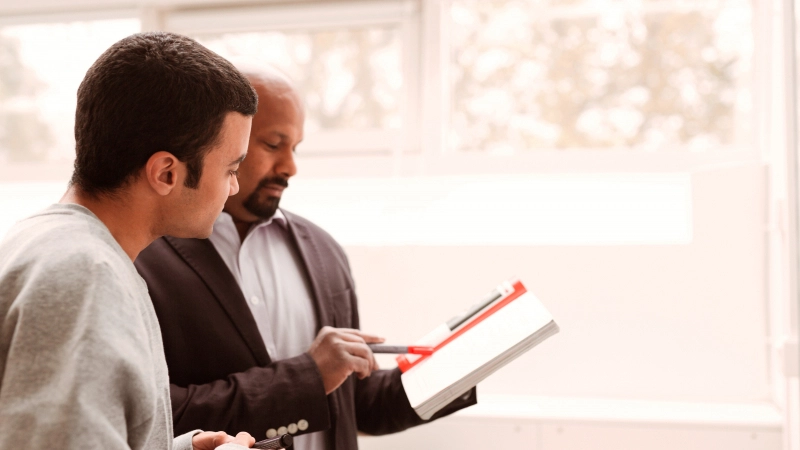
238 160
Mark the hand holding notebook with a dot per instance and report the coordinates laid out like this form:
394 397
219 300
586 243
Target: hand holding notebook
504 328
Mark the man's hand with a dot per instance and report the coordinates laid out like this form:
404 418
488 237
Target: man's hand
339 352
209 440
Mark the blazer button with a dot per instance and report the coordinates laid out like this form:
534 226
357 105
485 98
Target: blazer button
271 433
302 425
282 430
292 428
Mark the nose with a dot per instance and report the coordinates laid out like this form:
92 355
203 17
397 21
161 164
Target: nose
285 165
234 186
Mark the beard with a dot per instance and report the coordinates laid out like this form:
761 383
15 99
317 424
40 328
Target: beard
259 203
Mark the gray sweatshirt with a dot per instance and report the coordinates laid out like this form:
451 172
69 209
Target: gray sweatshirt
81 360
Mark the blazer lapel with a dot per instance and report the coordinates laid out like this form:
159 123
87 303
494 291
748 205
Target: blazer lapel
201 256
315 269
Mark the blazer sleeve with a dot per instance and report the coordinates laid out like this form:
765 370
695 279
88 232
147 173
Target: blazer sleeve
217 382
255 400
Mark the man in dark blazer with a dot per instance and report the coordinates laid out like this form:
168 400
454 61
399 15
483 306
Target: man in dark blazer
262 318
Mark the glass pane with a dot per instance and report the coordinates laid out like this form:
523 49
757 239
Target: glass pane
350 78
41 67
649 75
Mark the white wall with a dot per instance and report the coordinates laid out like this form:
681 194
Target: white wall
663 322
678 327
659 321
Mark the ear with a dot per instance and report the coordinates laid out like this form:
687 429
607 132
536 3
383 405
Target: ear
163 170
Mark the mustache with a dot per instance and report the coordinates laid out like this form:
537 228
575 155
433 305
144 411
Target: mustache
280 181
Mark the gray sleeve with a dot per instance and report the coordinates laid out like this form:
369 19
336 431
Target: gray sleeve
184 441
75 375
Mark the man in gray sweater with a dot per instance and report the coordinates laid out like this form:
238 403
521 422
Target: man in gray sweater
161 126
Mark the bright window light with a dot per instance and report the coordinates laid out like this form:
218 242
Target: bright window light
609 209
351 79
600 74
41 67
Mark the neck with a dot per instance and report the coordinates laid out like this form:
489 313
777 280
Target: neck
242 227
128 222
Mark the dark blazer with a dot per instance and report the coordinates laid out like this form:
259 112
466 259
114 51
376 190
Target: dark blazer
221 375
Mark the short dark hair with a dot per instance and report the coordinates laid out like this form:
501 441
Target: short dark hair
153 92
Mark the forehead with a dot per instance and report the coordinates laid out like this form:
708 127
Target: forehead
232 135
278 106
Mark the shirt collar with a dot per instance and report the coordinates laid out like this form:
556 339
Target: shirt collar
278 217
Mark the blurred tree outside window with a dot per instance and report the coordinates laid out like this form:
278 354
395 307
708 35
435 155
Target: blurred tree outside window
351 79
41 67
648 75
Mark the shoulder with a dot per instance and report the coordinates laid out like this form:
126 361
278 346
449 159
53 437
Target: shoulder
54 285
301 224
303 228
61 246
59 256
306 228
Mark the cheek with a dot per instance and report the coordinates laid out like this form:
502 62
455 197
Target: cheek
216 194
256 168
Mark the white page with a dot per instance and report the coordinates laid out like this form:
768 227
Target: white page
502 330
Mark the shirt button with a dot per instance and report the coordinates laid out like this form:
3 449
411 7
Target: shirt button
302 425
255 300
292 428
271 433
282 430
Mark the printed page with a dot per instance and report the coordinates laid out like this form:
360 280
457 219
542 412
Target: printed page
502 330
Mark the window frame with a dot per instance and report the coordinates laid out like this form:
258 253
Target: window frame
314 16
54 171
420 147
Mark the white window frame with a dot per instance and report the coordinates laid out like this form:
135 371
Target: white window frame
402 14
420 147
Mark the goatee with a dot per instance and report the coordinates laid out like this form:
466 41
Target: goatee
261 204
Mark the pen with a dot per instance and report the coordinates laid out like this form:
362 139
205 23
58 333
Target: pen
282 441
456 321
441 332
402 349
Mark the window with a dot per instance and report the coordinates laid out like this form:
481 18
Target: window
651 75
41 67
350 61
351 78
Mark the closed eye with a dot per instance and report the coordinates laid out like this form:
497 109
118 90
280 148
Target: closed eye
271 146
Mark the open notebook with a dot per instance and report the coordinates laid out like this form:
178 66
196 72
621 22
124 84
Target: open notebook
500 332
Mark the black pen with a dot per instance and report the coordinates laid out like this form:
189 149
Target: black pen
282 441
441 332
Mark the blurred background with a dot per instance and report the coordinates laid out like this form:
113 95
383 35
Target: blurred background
634 162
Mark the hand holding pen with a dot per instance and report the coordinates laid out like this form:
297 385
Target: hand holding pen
340 352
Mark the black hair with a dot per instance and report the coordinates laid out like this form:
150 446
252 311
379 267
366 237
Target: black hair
153 92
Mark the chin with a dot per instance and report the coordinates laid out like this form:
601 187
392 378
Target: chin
206 233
